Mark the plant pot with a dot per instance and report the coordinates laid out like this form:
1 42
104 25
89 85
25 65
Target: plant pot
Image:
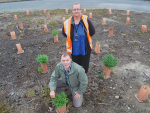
44 11
97 48
21 26
62 109
27 12
110 11
5 14
84 11
66 11
15 16
44 67
64 19
48 15
110 33
19 48
56 38
144 28
45 28
90 15
104 21
143 93
107 71
128 20
13 35
128 11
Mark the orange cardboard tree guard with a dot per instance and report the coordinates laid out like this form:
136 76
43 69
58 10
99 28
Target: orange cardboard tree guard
48 15
13 35
90 15
5 14
144 28
21 26
64 19
107 71
44 11
97 48
62 109
111 32
44 67
84 11
66 11
104 21
128 11
143 93
45 28
128 20
56 38
27 12
110 11
15 16
19 48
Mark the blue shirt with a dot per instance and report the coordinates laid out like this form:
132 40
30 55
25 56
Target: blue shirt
66 73
78 45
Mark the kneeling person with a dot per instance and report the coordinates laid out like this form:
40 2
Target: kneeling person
69 74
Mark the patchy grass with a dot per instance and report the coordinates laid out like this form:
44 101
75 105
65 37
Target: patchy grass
53 23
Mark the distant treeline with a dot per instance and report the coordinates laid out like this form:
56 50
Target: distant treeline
4 1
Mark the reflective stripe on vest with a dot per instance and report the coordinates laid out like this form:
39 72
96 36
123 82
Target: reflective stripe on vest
67 30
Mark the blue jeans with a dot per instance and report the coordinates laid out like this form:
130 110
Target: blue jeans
76 102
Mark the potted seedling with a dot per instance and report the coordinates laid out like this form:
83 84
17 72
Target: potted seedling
5 13
97 47
109 62
111 31
55 34
60 102
42 59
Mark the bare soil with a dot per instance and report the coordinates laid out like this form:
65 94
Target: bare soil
19 72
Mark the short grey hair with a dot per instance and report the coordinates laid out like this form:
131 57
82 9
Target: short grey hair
64 54
76 4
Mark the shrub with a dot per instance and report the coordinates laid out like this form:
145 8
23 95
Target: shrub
4 11
10 24
102 74
40 69
54 32
110 61
42 59
60 100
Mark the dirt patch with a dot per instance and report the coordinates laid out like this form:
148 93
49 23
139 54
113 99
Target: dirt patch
19 73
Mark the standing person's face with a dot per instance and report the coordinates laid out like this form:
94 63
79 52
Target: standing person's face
76 10
66 61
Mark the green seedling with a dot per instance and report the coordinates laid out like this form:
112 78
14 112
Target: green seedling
102 74
40 69
42 59
54 32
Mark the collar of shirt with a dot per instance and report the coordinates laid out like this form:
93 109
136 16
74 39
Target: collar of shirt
68 70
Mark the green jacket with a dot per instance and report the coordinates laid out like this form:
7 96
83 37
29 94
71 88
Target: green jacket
77 78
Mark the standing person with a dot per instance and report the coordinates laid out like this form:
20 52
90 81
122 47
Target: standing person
72 75
78 29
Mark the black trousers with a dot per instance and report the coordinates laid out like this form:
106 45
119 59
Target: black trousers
82 60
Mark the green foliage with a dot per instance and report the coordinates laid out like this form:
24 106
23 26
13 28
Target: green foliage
97 43
60 100
31 93
40 69
4 11
10 24
102 74
40 22
5 108
53 23
54 32
110 61
42 59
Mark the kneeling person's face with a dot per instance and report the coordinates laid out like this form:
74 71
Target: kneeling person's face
66 61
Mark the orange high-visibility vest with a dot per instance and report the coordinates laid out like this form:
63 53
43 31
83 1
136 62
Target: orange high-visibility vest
67 30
